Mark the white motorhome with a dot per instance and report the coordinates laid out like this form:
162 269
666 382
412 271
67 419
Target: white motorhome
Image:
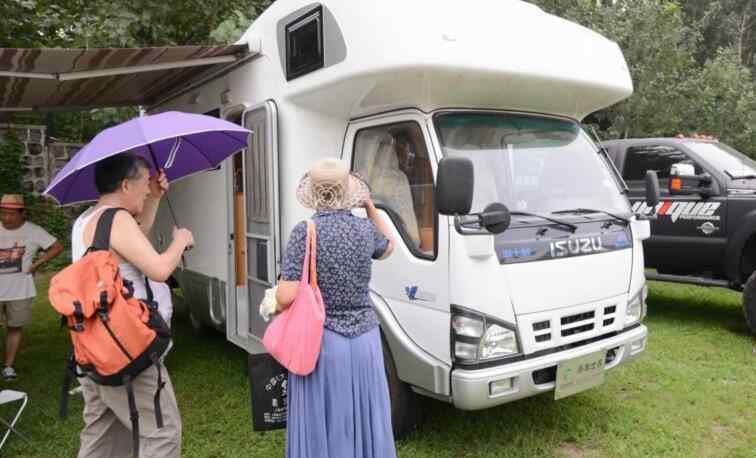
476 308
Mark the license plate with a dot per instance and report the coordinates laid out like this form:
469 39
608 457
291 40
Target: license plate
579 374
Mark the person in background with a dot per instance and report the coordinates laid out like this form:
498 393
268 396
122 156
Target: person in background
20 240
342 409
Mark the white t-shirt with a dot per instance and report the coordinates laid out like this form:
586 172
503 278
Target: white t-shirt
17 250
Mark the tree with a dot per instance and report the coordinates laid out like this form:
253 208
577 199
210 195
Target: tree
724 24
119 23
723 102
675 91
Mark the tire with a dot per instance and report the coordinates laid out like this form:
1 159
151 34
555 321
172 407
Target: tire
749 302
404 408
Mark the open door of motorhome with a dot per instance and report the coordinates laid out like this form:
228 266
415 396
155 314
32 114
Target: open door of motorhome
256 227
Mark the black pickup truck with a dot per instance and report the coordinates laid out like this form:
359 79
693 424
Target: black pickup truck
705 229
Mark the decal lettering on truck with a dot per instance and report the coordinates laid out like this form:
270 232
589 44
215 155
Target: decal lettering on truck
686 211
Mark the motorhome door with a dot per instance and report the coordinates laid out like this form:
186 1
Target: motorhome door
256 251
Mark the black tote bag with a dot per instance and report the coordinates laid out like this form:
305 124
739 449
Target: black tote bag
268 381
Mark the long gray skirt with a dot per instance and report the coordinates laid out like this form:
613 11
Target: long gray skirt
342 409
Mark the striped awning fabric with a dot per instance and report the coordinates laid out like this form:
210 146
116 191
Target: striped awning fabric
32 79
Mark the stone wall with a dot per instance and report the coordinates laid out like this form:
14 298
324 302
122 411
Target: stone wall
42 159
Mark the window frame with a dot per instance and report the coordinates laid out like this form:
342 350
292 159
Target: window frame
395 218
639 185
314 14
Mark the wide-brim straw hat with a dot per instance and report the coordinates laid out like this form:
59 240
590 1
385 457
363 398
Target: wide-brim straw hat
12 201
330 186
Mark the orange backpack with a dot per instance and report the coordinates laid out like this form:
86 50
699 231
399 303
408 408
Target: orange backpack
114 335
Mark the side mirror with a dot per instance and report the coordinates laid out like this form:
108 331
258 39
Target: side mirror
495 218
682 169
684 185
652 189
455 182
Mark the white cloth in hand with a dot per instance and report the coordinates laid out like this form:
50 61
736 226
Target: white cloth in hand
269 305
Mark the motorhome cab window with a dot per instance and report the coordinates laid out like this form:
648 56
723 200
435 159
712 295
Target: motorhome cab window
530 163
394 161
653 157
304 44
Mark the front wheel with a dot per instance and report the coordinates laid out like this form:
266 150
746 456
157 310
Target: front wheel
404 410
749 302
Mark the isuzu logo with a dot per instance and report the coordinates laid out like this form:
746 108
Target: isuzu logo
574 247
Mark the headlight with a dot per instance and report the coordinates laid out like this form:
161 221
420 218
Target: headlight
636 306
476 338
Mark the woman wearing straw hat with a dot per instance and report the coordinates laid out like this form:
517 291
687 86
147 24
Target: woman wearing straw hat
342 409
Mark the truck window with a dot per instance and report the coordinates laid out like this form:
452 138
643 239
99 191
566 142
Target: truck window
655 157
393 159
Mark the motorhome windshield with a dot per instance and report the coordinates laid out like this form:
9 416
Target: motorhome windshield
726 159
529 163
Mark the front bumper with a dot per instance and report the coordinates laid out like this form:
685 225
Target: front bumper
471 388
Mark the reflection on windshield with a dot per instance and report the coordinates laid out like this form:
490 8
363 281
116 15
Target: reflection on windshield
725 158
529 163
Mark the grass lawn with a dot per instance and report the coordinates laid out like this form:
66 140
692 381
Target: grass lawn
693 393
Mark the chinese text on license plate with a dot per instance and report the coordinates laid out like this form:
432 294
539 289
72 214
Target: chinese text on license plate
579 374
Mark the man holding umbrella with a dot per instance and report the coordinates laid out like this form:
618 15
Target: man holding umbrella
128 167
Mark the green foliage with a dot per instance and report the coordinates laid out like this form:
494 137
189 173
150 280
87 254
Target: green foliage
675 89
119 23
11 167
723 102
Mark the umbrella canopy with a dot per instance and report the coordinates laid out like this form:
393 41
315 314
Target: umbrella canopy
180 143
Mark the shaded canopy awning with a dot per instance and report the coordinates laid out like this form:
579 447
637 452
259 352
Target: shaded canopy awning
39 79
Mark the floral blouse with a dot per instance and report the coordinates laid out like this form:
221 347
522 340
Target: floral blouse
346 246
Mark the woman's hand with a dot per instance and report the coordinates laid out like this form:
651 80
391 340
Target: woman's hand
158 185
369 206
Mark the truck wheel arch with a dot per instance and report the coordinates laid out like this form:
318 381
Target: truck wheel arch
738 261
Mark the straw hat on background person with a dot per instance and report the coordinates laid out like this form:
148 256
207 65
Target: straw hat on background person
330 186
12 201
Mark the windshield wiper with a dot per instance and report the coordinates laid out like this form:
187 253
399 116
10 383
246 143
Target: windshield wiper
591 210
570 226
741 177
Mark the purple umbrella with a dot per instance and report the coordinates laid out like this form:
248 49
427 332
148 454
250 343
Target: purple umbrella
180 143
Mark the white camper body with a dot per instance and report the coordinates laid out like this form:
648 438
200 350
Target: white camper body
468 317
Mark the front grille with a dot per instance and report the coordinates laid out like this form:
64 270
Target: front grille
577 330
573 325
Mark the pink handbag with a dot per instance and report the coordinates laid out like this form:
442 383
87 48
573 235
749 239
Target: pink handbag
294 336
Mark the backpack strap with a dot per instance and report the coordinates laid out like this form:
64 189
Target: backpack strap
133 415
68 376
150 295
160 385
101 239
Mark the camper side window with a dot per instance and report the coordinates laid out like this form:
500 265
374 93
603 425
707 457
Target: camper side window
394 160
304 44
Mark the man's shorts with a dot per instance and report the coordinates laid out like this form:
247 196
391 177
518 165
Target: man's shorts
16 314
